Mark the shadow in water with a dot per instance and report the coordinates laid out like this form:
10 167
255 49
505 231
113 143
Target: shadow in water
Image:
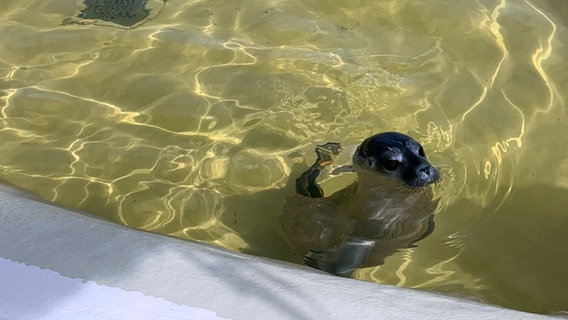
255 218
516 250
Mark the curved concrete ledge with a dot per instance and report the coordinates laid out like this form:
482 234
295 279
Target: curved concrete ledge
58 264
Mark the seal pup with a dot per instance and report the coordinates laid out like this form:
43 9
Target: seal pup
389 207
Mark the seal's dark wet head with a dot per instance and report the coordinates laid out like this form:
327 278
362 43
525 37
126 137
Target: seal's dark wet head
397 156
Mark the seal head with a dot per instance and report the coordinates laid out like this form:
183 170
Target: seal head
396 156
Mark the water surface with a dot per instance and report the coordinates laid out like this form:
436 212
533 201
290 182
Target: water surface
194 123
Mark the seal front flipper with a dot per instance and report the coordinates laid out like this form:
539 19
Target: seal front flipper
341 260
306 184
325 153
342 169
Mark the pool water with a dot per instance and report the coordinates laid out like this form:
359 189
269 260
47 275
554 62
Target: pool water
196 121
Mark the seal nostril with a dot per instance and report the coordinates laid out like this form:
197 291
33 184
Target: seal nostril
427 170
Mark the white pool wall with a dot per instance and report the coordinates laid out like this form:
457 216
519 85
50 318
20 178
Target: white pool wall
59 264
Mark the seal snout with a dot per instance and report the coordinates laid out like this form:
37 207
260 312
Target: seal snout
425 174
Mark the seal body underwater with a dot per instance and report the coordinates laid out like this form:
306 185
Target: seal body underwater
389 207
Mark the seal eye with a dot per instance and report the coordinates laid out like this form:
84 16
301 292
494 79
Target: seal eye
391 165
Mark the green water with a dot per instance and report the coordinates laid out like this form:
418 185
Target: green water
194 122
